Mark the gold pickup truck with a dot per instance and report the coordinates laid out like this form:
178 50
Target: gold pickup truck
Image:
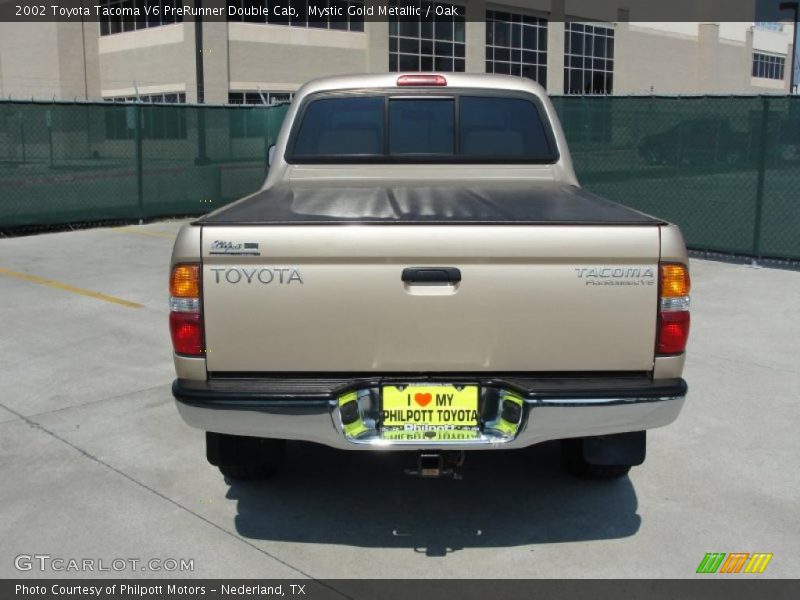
421 271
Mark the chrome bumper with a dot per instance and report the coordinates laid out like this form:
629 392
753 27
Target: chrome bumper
319 420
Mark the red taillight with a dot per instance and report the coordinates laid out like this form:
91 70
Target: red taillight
673 315
185 323
421 80
673 332
187 333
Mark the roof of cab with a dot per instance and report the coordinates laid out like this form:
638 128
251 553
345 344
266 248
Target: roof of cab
454 80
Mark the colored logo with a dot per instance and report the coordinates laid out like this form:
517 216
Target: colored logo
735 562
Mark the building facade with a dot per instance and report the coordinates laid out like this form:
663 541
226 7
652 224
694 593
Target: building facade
263 59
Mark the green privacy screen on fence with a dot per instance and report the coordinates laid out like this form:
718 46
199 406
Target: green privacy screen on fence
726 169
66 163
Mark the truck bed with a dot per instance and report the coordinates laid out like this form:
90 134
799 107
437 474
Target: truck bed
496 204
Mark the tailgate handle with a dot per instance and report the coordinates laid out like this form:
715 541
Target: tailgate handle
435 275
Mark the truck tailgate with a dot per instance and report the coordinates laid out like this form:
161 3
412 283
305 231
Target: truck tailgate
534 296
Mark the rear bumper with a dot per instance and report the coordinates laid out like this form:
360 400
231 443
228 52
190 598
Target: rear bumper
307 409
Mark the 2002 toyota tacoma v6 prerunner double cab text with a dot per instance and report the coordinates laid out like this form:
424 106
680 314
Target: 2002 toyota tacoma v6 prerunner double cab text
422 271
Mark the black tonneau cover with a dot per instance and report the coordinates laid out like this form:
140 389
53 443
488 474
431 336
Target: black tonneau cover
532 204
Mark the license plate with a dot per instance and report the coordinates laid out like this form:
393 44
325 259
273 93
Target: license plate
429 412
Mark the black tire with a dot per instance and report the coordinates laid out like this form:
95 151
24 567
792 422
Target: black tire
245 458
573 455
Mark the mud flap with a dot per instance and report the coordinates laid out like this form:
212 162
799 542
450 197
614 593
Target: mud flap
618 449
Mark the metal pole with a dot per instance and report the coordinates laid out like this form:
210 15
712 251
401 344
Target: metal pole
267 128
200 77
139 166
267 140
22 139
762 167
198 54
679 147
83 57
792 6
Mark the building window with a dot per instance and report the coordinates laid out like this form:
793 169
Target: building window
158 122
768 66
253 123
342 15
260 97
435 43
588 58
516 45
171 98
769 25
123 15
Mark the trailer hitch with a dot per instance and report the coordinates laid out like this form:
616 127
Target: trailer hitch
432 464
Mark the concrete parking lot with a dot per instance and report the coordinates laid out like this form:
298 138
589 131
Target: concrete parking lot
96 463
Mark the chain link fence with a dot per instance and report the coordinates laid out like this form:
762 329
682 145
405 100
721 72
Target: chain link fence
72 163
726 169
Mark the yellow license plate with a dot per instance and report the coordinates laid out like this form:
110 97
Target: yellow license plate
430 412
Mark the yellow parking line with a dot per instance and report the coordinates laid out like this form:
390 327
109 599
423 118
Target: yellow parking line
70 288
144 232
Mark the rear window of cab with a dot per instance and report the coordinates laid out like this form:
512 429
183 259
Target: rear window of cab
463 128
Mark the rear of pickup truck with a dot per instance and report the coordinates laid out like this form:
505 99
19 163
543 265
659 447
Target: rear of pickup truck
416 301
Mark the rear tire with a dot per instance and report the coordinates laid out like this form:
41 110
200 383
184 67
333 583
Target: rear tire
245 458
603 457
